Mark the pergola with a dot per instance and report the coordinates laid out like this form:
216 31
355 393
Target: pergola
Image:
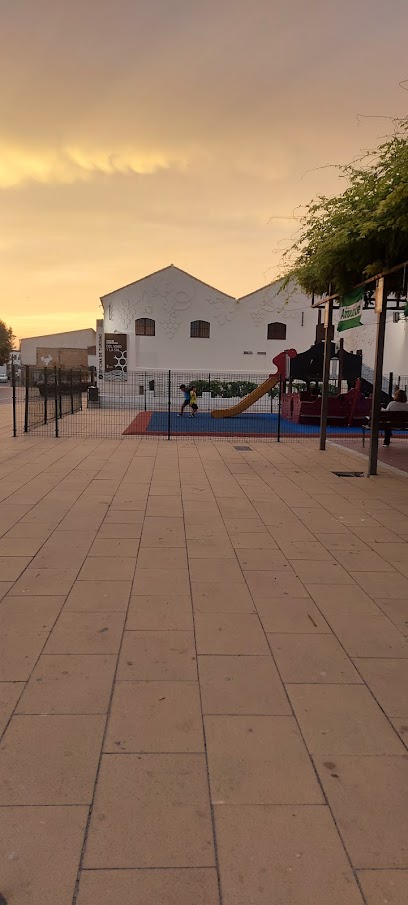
385 292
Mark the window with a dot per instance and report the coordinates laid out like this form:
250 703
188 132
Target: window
200 330
277 331
145 326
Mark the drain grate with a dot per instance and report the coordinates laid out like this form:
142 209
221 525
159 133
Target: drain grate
243 448
349 474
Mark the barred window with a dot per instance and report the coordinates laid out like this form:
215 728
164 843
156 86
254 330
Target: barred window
145 326
200 329
276 331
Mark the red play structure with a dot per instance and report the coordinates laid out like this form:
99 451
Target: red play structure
347 409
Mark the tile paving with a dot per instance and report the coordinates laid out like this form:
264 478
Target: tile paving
203 675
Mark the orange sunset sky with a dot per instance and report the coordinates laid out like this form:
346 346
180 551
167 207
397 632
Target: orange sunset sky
141 133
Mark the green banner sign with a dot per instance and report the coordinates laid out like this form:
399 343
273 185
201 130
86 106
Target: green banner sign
351 307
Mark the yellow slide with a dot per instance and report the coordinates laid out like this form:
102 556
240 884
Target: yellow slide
249 400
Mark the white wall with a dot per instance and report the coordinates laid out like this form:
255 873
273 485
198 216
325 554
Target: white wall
73 339
364 337
173 299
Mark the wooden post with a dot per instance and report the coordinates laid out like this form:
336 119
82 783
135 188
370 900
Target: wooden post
381 309
328 336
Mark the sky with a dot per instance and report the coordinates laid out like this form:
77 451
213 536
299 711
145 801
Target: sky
140 133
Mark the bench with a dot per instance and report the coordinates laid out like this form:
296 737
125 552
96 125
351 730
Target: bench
393 421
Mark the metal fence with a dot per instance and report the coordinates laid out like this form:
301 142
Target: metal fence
52 402
44 396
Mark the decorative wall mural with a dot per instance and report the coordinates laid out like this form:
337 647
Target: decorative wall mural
361 338
222 309
173 306
275 304
121 313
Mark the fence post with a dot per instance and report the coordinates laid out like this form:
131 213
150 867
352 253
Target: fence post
27 393
390 386
169 409
56 400
279 409
13 383
59 392
72 393
45 395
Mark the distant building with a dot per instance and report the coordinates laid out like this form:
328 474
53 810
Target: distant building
74 349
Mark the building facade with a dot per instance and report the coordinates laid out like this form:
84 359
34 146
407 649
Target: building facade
73 349
172 320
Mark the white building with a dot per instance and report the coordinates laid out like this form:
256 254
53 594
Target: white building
173 320
396 341
72 349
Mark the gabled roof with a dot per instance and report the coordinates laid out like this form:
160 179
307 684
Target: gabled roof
59 333
261 289
163 270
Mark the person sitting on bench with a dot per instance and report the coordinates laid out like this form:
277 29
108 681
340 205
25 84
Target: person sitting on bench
399 404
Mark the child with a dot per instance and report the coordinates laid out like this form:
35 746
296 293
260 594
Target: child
186 402
193 402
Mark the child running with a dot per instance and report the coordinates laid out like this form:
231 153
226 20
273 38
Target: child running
193 401
187 393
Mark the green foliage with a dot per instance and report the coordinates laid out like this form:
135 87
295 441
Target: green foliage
228 389
6 343
364 230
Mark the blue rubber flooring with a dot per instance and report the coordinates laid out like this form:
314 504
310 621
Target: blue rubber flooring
242 425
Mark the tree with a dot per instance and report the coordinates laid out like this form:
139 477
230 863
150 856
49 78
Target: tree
6 343
363 231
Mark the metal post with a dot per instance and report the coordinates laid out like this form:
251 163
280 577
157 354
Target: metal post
72 393
279 409
27 398
56 400
13 383
341 364
60 394
328 335
169 408
145 404
45 395
381 309
390 386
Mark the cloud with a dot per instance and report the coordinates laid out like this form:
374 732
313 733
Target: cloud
76 164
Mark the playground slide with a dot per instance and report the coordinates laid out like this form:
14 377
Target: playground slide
249 400
282 362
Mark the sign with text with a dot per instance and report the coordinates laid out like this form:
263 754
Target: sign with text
351 308
116 354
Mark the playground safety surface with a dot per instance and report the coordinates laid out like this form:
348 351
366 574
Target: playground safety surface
203 675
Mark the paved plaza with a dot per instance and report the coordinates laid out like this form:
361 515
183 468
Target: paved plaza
203 675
